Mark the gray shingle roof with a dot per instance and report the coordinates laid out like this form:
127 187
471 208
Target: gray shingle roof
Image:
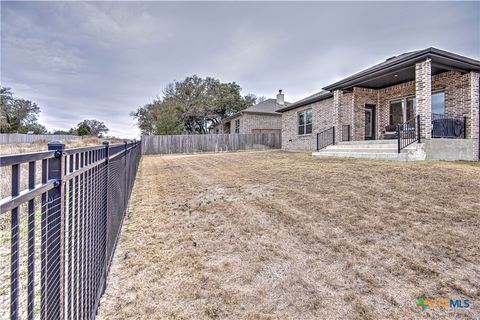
310 99
442 56
266 106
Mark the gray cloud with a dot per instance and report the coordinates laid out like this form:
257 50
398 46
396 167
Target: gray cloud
102 60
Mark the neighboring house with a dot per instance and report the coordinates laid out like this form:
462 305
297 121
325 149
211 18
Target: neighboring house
259 118
439 88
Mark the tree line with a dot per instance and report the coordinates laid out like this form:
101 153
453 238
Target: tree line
191 106
19 115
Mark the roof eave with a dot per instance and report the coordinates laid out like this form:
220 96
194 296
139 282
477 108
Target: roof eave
263 113
411 59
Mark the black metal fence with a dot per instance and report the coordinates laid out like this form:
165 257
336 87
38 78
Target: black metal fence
58 234
326 138
408 133
449 126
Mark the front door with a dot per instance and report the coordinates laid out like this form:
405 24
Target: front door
369 122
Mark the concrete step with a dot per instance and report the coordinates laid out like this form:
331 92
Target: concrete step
380 151
390 141
393 156
360 149
363 146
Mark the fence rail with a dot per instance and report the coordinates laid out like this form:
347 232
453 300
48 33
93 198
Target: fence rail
8 138
175 144
449 126
326 138
58 236
408 133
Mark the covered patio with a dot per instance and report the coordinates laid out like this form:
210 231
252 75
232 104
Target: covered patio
418 95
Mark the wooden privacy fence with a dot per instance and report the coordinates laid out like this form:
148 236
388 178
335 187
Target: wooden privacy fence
174 144
7 138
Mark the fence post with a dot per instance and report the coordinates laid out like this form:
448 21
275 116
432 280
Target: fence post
53 273
125 179
15 265
418 128
398 138
107 231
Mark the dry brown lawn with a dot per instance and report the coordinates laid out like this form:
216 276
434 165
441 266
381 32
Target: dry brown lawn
274 235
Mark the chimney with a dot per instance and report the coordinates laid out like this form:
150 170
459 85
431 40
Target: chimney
280 98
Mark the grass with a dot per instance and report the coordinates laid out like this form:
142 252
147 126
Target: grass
267 235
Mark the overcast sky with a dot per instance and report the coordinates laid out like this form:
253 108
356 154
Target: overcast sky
85 60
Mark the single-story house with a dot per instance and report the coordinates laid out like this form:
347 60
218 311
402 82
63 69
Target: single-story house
259 118
423 103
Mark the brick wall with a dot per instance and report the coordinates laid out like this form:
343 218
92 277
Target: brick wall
361 97
461 98
474 101
251 121
346 113
322 118
423 93
454 84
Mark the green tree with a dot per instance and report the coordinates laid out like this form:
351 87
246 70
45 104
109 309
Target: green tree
168 121
36 128
199 103
83 129
64 132
18 115
90 128
146 117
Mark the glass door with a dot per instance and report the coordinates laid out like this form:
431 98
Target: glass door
369 122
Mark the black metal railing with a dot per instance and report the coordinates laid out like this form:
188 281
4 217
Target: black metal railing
58 231
408 133
325 138
449 126
346 132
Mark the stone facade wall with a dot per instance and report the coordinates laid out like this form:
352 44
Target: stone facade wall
322 118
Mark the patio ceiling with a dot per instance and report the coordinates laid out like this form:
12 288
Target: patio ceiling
396 77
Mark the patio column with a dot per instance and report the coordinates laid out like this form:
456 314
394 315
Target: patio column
337 102
423 93
474 112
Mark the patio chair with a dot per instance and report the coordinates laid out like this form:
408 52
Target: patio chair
390 132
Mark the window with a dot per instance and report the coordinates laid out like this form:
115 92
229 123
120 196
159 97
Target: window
396 112
237 126
305 122
438 104
402 110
